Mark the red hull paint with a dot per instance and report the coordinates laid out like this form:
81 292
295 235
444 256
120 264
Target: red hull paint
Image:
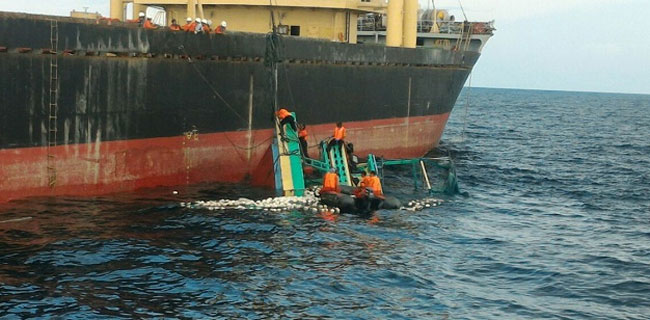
118 166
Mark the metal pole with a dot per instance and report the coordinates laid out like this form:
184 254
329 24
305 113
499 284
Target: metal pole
425 174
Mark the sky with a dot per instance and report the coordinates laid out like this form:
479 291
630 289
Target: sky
572 45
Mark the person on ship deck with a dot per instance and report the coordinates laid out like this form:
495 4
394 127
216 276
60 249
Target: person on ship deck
206 26
198 26
149 25
140 20
188 26
221 29
174 26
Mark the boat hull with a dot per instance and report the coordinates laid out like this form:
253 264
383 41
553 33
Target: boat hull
234 156
128 108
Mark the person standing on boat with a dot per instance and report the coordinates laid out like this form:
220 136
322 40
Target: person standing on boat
339 135
331 182
285 117
302 136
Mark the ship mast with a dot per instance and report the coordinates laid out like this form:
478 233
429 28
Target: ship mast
272 57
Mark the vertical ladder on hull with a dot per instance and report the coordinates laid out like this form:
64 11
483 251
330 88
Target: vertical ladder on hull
339 159
287 162
53 106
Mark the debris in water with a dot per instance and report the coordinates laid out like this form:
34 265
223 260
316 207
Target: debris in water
307 203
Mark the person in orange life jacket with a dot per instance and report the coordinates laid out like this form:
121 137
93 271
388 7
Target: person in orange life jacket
375 185
174 26
206 26
360 191
221 29
302 136
188 26
139 20
331 182
149 25
365 179
339 135
285 117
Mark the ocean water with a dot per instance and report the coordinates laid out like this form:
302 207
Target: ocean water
554 223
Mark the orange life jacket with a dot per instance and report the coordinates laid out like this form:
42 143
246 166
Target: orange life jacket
282 113
339 133
375 185
174 27
302 134
330 183
365 181
191 27
139 20
206 28
219 30
149 25
186 27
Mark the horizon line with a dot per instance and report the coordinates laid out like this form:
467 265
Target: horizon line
557 90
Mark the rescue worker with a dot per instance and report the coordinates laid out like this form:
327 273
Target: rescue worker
188 25
362 200
198 27
331 182
285 117
174 26
339 135
302 136
221 29
149 25
139 20
206 26
365 179
375 185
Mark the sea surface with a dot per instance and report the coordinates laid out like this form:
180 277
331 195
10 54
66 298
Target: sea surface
553 223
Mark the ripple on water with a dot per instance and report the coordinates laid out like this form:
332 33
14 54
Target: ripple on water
554 225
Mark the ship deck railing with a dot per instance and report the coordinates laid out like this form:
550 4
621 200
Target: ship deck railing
425 26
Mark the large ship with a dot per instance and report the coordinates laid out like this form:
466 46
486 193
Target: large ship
95 106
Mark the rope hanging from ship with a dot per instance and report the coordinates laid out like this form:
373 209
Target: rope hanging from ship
214 90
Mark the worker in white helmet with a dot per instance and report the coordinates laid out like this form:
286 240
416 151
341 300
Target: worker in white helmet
139 20
198 27
188 25
206 27
221 29
209 25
